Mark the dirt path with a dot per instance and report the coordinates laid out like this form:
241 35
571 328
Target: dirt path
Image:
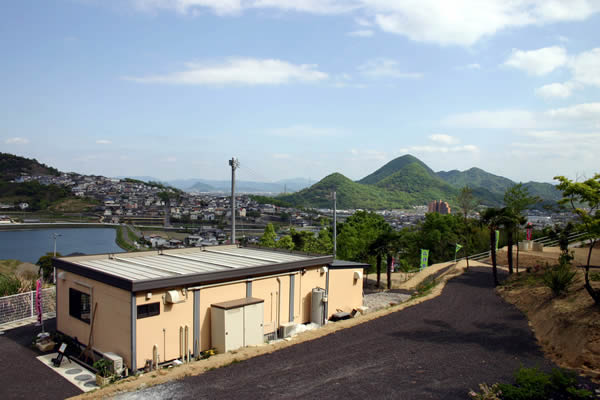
437 349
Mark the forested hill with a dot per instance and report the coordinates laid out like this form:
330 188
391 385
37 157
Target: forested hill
12 166
402 183
407 181
490 188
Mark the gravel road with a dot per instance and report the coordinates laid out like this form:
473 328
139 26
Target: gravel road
438 349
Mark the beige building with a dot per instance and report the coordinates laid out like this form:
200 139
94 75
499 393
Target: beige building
159 304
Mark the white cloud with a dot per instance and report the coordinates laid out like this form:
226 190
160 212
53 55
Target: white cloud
103 141
170 159
386 68
445 139
581 112
239 71
555 90
464 22
305 131
457 22
578 116
229 7
473 66
586 67
538 62
559 144
469 148
16 140
502 119
361 33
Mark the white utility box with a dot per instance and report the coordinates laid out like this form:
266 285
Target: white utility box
236 324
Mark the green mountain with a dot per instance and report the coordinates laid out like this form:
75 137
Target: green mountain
12 167
401 183
393 167
476 177
406 181
350 194
490 188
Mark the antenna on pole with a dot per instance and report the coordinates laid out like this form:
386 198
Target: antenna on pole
234 165
334 224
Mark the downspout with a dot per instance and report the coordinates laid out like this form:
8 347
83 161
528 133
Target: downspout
326 296
278 305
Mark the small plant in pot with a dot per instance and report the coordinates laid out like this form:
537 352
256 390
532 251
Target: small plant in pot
103 375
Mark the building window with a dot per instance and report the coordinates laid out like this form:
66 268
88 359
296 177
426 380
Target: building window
148 310
79 305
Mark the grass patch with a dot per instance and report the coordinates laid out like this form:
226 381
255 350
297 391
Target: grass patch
120 240
425 287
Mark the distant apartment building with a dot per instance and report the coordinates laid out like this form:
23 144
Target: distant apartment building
439 206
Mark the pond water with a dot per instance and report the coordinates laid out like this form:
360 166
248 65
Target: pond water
30 245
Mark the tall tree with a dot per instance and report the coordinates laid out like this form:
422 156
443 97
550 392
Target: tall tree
268 237
285 242
356 235
517 199
386 244
466 203
585 193
492 218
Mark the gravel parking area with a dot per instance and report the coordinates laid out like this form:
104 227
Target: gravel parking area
377 301
438 349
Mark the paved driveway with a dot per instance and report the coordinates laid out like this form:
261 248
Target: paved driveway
22 376
435 350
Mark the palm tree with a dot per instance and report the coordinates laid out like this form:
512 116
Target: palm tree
386 244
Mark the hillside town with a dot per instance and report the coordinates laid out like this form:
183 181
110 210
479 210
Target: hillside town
144 203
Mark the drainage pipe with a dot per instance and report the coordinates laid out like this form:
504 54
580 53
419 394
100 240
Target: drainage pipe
187 343
278 305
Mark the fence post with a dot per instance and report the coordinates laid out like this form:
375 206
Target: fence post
32 307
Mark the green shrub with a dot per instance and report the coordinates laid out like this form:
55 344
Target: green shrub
559 278
595 276
103 367
533 384
9 285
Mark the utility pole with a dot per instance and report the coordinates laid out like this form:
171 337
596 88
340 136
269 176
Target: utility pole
56 235
334 224
234 165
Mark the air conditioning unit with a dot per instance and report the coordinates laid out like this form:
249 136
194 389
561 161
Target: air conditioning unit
173 297
116 363
286 329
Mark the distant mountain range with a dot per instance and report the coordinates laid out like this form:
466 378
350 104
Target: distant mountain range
407 181
241 186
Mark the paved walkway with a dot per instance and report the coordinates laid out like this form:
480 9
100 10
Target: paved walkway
22 375
437 349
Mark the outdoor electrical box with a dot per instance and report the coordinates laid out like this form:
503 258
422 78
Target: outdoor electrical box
237 323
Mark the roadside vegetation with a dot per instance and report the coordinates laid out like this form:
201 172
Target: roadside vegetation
533 384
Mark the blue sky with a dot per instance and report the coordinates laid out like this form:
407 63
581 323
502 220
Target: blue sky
174 88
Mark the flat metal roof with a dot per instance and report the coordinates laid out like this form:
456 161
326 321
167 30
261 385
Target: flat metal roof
184 267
